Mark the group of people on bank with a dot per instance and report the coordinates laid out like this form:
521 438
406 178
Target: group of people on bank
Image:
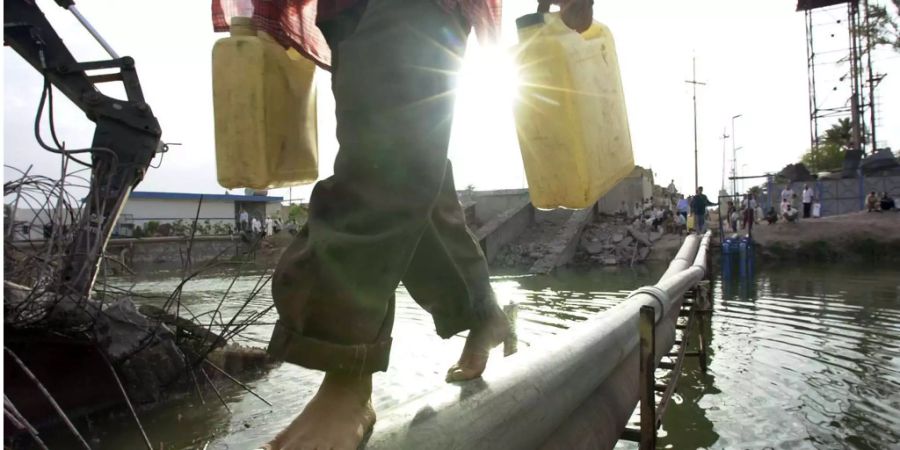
262 228
684 213
875 203
692 213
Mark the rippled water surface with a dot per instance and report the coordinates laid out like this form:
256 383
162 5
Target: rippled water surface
801 358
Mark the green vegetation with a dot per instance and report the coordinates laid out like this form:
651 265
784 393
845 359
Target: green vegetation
298 213
181 227
883 31
883 28
829 155
152 228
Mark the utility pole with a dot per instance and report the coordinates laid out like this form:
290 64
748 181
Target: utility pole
734 149
855 119
873 79
694 82
725 137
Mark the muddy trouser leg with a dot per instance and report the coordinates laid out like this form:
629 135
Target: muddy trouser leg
389 202
449 275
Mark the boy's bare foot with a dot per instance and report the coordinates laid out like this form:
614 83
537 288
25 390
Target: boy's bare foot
481 340
338 417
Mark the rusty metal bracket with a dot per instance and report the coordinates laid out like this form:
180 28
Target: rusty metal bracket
651 412
648 379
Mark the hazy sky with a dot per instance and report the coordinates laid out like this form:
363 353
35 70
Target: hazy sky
751 54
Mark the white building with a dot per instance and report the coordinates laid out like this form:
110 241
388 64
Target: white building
170 207
26 224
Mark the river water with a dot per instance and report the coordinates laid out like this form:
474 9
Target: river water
801 357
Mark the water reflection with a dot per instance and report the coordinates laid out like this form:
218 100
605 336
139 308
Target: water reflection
800 357
805 357
547 306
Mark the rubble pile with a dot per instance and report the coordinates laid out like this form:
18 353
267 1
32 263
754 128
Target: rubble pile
614 241
532 245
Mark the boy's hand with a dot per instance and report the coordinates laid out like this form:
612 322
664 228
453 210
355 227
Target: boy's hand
576 14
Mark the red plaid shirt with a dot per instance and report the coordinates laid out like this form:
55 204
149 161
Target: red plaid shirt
293 22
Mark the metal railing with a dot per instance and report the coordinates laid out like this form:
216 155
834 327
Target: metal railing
578 390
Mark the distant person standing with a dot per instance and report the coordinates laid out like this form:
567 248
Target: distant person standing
270 226
807 201
731 216
683 207
699 206
748 209
244 220
787 194
255 226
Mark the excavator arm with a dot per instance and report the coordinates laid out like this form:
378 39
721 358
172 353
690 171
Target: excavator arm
126 138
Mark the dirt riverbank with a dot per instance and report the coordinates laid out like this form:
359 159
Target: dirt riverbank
861 236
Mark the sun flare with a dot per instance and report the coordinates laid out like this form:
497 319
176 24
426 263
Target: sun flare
484 147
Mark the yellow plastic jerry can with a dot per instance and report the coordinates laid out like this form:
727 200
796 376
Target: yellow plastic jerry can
570 112
265 111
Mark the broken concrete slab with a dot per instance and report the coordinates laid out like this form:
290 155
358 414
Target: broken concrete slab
564 244
643 252
594 247
640 237
505 228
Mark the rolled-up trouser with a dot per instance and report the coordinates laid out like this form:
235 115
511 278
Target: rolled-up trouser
390 211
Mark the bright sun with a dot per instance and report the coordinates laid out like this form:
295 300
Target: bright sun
484 148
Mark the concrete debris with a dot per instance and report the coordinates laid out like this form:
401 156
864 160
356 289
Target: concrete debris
604 240
611 240
640 236
533 244
140 343
595 246
643 253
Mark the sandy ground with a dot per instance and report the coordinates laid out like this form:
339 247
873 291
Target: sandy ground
880 227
